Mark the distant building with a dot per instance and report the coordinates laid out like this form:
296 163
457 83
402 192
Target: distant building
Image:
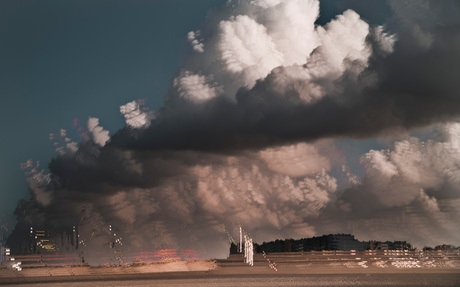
342 242
325 242
233 248
390 245
34 241
399 245
445 247
346 242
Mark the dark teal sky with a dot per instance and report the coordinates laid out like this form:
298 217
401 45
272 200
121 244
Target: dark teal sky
61 60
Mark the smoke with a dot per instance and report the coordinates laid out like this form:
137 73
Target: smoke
248 136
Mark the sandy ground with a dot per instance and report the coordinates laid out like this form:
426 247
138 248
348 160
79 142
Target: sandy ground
290 271
61 274
265 280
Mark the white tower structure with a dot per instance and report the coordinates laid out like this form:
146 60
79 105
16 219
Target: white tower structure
248 250
241 240
245 249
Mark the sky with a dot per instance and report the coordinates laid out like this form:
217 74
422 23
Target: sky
76 59
173 120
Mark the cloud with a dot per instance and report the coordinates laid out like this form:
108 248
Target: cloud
196 44
238 140
409 191
72 146
384 42
295 160
246 48
348 85
63 144
100 136
39 182
396 176
196 88
134 116
188 207
343 38
247 39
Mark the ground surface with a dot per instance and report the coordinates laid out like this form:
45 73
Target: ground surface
291 270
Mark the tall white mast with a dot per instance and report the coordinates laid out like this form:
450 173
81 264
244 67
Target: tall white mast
251 252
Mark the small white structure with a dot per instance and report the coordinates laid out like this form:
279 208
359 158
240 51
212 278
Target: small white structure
17 266
248 250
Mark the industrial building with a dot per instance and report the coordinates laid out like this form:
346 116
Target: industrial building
340 242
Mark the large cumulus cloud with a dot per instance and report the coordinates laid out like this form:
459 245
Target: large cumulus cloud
353 80
247 136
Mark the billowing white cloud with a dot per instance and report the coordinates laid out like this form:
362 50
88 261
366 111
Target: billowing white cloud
246 48
260 36
100 136
72 146
385 41
396 176
409 191
291 25
196 44
344 38
134 116
196 87
266 3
